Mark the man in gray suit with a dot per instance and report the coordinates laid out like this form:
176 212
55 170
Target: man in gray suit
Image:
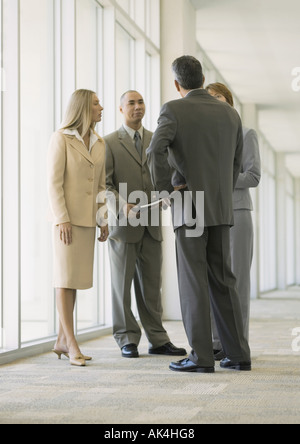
202 139
135 249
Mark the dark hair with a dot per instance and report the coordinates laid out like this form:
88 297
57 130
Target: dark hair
188 72
127 92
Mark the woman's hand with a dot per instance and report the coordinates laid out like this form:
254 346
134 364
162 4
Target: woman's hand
66 233
104 234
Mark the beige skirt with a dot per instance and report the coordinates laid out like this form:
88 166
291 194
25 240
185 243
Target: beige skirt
74 264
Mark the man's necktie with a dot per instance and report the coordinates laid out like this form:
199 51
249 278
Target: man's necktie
138 143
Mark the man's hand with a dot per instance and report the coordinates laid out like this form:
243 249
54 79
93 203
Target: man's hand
127 210
104 234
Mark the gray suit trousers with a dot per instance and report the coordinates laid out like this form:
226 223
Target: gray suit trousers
205 262
241 244
142 263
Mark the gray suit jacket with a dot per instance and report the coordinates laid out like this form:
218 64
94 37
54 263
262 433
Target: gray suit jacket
124 166
250 174
202 139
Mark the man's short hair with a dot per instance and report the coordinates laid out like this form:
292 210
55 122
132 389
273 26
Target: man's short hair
188 72
125 94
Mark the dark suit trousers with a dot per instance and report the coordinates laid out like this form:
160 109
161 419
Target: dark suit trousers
202 262
140 262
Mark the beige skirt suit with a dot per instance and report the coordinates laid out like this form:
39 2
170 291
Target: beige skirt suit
75 178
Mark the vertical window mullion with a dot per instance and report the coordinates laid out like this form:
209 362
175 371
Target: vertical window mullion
2 87
11 176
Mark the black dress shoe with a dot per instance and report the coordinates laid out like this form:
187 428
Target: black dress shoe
219 355
186 365
130 351
168 349
240 366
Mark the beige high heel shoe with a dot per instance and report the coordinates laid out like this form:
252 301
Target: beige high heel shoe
78 361
60 353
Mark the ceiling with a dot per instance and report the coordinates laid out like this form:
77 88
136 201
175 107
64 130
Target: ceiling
255 44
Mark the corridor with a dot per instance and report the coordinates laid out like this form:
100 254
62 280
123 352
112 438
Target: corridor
111 390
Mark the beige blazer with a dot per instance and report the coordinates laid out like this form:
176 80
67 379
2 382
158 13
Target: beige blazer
75 177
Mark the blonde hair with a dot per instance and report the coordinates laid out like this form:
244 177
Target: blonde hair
79 112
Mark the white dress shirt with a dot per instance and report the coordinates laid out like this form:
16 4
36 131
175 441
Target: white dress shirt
74 132
131 132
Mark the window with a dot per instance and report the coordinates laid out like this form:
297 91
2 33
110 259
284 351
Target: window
125 79
2 87
88 76
10 177
140 14
152 21
86 44
49 48
36 101
125 4
148 90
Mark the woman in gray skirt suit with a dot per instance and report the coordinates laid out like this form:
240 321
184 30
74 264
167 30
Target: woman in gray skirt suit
76 175
242 232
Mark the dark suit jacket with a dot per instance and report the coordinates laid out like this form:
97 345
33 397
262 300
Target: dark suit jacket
124 166
202 139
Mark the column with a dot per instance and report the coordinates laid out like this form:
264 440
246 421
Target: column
109 71
281 220
250 120
250 116
178 37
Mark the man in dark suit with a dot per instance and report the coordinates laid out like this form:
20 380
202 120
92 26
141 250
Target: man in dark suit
202 139
135 249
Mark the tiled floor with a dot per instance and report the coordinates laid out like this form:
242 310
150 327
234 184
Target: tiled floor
112 390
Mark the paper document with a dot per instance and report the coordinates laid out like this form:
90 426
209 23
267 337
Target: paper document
165 202
143 208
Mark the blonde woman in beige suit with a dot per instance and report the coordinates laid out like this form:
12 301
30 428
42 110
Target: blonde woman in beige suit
76 174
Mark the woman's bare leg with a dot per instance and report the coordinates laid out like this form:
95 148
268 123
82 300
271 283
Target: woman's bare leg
65 300
61 343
